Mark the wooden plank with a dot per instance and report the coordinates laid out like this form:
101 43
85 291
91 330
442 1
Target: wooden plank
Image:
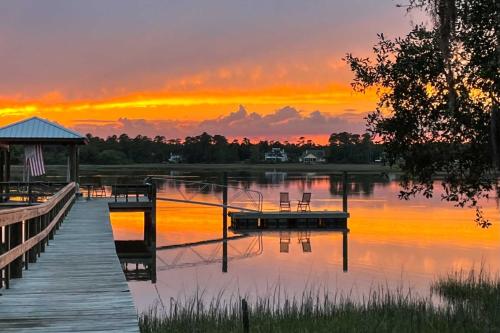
77 285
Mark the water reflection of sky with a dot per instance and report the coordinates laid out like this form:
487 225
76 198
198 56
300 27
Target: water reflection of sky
391 242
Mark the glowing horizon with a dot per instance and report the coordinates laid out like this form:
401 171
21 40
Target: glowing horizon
176 69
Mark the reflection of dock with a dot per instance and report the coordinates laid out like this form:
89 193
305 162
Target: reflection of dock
304 239
188 255
137 257
278 220
137 260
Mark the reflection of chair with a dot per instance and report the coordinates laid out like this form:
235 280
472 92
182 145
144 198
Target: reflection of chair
284 202
99 191
305 241
284 242
304 204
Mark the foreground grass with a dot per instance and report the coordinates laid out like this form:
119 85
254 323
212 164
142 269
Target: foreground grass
470 303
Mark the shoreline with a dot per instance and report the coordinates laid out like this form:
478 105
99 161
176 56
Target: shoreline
285 167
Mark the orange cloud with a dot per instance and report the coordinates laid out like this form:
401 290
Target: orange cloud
283 124
332 99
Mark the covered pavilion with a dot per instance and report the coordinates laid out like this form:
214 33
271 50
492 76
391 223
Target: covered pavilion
38 131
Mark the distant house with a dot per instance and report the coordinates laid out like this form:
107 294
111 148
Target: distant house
276 155
311 156
175 158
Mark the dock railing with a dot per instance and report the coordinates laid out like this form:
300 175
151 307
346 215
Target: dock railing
25 231
186 191
28 192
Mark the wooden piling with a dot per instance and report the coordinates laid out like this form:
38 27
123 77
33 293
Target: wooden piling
244 315
345 191
224 223
345 254
16 238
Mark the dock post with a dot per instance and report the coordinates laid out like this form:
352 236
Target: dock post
147 228
32 225
16 238
2 178
153 232
244 315
7 174
344 191
224 223
344 252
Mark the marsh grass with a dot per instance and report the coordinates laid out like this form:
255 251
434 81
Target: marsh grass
474 295
470 303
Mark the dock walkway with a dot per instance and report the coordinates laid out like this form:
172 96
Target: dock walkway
77 285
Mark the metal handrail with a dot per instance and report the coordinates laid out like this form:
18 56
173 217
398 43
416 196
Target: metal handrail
204 185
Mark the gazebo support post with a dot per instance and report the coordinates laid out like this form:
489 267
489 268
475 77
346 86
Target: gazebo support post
6 173
2 172
7 165
77 164
73 172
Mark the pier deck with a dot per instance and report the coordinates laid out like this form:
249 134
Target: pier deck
76 285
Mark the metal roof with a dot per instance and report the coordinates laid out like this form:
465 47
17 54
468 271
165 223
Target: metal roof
36 129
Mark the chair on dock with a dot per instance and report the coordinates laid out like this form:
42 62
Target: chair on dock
284 202
304 205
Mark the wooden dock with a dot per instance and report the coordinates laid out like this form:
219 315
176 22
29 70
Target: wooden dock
76 285
278 220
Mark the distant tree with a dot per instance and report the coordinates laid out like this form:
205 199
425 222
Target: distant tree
351 148
112 157
439 92
255 154
245 149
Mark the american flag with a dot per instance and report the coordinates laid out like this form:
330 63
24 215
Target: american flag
34 159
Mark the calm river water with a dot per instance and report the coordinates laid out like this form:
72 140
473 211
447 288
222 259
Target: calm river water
391 242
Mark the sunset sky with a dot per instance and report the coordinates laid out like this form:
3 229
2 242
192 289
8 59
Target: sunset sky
261 69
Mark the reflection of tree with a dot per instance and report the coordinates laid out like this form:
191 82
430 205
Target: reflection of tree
360 185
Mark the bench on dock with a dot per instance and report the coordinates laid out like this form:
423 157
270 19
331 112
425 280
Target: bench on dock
145 195
134 190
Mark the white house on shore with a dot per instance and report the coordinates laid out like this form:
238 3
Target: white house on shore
276 155
311 156
175 158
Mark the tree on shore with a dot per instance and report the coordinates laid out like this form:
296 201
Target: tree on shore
438 100
206 148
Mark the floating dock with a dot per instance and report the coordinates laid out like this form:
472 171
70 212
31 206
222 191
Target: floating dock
281 220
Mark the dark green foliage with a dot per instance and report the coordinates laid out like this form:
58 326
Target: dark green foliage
111 157
353 148
203 148
438 108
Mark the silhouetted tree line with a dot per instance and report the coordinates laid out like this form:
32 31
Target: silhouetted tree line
205 148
